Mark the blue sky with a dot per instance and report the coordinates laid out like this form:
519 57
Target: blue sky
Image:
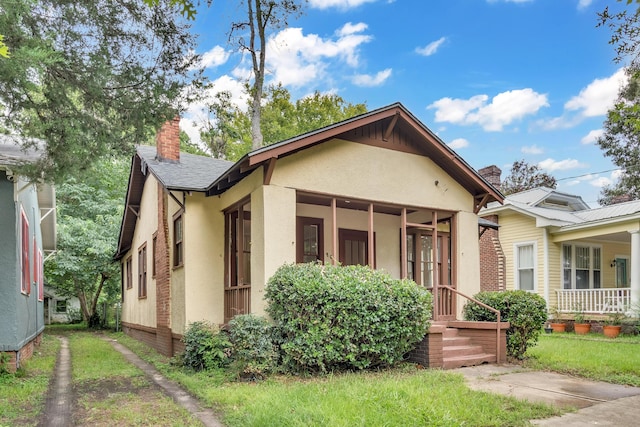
497 80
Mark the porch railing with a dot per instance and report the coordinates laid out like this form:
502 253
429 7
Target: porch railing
594 301
237 300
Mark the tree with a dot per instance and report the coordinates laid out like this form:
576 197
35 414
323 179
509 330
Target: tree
621 138
227 130
91 77
89 210
524 176
261 16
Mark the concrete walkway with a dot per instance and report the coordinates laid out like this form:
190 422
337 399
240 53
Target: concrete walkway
59 401
598 403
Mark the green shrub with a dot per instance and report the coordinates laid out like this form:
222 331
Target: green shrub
205 346
342 318
252 353
526 312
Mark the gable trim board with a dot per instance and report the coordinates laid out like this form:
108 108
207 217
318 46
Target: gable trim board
377 173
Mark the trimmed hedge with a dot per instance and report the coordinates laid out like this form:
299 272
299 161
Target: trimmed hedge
526 312
253 353
343 318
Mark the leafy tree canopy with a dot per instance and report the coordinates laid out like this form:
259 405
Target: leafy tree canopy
91 77
89 209
524 176
227 130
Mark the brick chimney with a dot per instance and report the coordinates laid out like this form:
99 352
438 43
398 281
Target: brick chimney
168 141
492 175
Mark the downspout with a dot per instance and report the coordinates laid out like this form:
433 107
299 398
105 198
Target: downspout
545 255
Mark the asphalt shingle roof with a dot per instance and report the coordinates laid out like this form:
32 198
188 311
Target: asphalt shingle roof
192 173
11 153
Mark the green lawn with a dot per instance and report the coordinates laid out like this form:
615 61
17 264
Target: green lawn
404 396
590 356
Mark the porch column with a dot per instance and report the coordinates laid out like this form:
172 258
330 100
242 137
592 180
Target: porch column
635 270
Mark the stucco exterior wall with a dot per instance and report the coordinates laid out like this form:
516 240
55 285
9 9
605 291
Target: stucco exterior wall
371 173
204 263
142 311
468 256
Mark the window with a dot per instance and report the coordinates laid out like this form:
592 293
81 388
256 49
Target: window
24 249
581 266
525 266
61 306
310 239
154 245
420 258
178 236
128 273
142 271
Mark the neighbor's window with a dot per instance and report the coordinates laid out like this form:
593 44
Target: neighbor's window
525 266
581 266
24 248
178 236
142 271
61 306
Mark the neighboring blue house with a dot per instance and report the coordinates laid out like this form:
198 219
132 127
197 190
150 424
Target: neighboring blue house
27 236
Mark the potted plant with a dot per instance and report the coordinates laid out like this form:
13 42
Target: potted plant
613 324
580 324
555 323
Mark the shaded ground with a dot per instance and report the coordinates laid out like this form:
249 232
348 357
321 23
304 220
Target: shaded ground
149 400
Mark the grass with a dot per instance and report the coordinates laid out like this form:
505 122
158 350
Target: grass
399 397
111 391
590 356
22 395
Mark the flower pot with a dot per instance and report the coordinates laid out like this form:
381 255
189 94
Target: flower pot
611 331
558 327
582 328
548 329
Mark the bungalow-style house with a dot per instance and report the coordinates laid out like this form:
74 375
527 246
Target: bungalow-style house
554 244
58 308
200 237
28 233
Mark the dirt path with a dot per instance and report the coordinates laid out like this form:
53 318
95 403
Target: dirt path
63 402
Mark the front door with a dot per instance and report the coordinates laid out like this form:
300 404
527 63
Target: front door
354 247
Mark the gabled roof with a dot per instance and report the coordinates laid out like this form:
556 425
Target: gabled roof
541 204
392 127
191 173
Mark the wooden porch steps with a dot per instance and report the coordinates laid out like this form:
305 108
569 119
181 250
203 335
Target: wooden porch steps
458 351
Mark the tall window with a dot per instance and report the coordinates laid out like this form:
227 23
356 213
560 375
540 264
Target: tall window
581 266
178 236
128 273
154 245
525 266
310 240
24 249
422 261
142 271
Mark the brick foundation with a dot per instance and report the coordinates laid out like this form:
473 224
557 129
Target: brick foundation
26 352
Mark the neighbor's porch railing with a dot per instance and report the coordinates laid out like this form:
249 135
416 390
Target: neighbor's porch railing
595 301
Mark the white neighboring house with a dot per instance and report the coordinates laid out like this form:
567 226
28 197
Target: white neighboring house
58 309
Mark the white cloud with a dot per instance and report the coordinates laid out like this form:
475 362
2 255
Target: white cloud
215 57
458 143
532 149
338 4
551 165
600 182
504 109
367 80
598 97
431 48
592 136
583 4
295 59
